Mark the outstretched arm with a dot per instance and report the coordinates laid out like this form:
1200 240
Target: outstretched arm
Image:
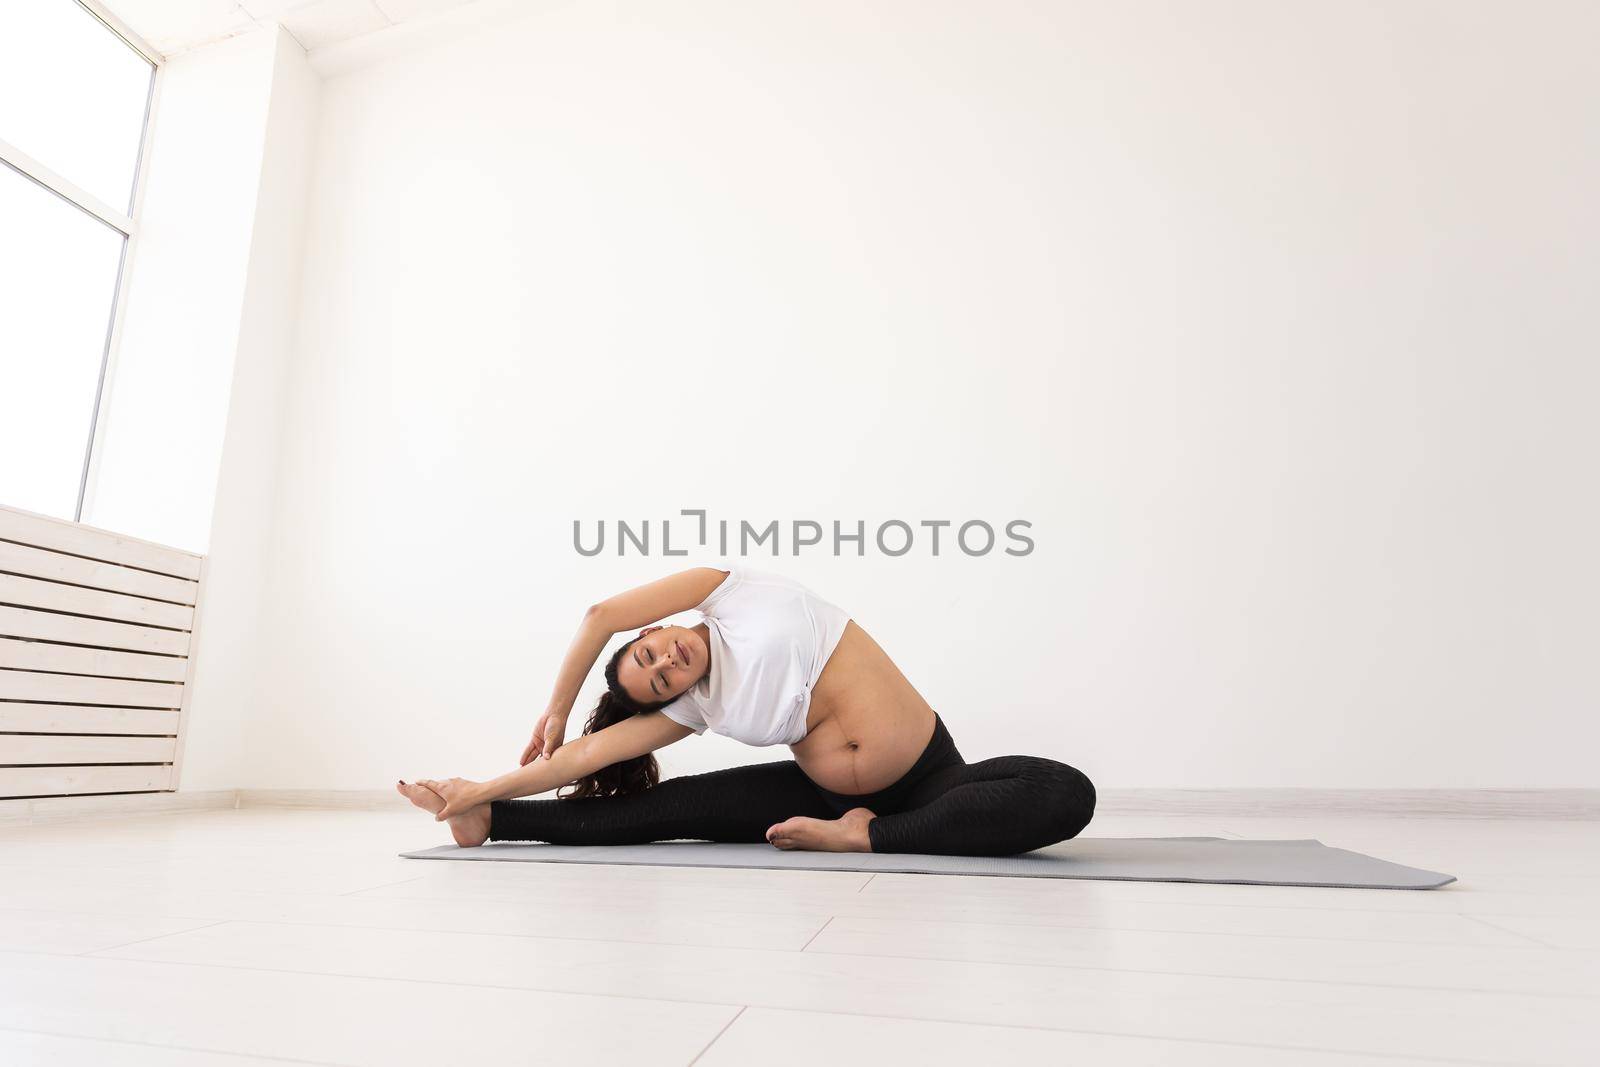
582 757
656 600
626 611
551 729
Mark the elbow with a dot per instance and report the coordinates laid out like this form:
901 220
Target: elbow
571 761
572 767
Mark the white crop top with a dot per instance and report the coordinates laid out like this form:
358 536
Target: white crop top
770 637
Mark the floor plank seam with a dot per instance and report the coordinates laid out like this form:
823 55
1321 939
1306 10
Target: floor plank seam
814 936
468 898
383 978
96 954
1274 980
718 1035
501 933
1212 933
382 885
179 1048
1405 1056
1534 946
142 940
1517 933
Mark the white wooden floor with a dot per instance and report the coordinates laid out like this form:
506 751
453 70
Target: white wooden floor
268 935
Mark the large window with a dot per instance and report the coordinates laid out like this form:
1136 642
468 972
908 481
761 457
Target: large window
75 99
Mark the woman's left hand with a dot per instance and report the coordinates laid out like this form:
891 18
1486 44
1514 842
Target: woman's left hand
460 795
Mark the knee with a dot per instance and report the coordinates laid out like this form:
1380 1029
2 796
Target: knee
1066 797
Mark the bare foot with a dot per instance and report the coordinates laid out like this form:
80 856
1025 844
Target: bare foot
470 829
847 833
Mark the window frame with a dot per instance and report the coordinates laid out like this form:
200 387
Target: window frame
126 224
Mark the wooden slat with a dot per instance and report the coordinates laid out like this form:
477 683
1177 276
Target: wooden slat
69 659
34 593
44 531
26 748
24 622
72 719
76 689
62 781
59 567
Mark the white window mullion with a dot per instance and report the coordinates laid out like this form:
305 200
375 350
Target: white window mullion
90 482
29 167
120 28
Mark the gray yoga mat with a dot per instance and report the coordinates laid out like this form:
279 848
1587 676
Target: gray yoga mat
1136 859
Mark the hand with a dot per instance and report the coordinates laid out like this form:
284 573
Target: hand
549 733
460 796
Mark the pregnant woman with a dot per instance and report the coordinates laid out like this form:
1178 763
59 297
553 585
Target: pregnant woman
771 663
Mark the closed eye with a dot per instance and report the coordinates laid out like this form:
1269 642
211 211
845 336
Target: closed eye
640 662
662 676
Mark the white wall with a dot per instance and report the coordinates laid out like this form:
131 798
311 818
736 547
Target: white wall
1275 320
233 684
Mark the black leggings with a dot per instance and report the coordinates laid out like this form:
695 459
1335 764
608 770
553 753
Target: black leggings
942 806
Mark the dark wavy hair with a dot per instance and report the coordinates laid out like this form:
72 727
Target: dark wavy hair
631 775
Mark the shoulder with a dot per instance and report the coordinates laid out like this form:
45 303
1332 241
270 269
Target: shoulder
732 579
752 588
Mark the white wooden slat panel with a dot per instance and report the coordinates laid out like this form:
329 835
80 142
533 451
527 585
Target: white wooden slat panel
59 567
44 531
45 626
69 659
76 689
34 593
65 781
95 635
28 748
73 719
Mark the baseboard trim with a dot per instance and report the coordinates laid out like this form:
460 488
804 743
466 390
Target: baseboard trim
112 806
326 799
1565 804
1561 804
123 805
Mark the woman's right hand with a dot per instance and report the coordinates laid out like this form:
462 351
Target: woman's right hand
549 733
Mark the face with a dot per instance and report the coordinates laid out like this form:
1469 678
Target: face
662 663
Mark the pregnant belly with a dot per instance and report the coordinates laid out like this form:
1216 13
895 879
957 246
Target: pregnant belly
866 725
